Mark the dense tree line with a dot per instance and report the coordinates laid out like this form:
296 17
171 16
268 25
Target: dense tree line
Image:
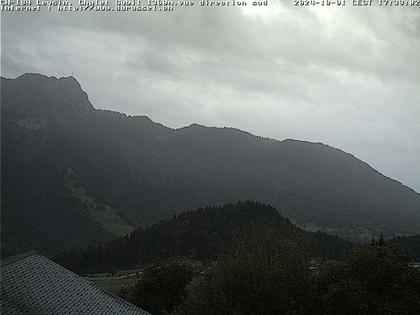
262 274
203 235
409 243
245 258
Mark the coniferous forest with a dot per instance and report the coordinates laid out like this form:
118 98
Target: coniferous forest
188 157
246 258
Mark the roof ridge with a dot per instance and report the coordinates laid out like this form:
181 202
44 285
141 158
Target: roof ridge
91 283
37 284
12 259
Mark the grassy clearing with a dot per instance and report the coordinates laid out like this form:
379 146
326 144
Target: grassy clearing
118 280
114 285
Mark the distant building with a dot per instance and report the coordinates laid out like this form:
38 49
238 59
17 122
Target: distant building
33 284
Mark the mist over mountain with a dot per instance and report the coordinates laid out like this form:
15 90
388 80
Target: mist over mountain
73 174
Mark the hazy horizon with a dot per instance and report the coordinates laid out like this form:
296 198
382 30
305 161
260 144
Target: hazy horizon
208 126
347 77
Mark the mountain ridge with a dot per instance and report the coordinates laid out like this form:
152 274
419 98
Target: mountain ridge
105 172
197 125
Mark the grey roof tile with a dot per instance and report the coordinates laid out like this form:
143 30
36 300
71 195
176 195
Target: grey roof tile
33 284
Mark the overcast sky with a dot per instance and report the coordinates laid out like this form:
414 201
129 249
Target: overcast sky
348 77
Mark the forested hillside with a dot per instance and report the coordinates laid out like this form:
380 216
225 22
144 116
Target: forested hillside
202 235
73 174
409 243
245 258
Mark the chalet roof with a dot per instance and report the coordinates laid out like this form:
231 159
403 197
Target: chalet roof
33 284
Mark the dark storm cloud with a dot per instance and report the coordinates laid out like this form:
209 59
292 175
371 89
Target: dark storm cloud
348 77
